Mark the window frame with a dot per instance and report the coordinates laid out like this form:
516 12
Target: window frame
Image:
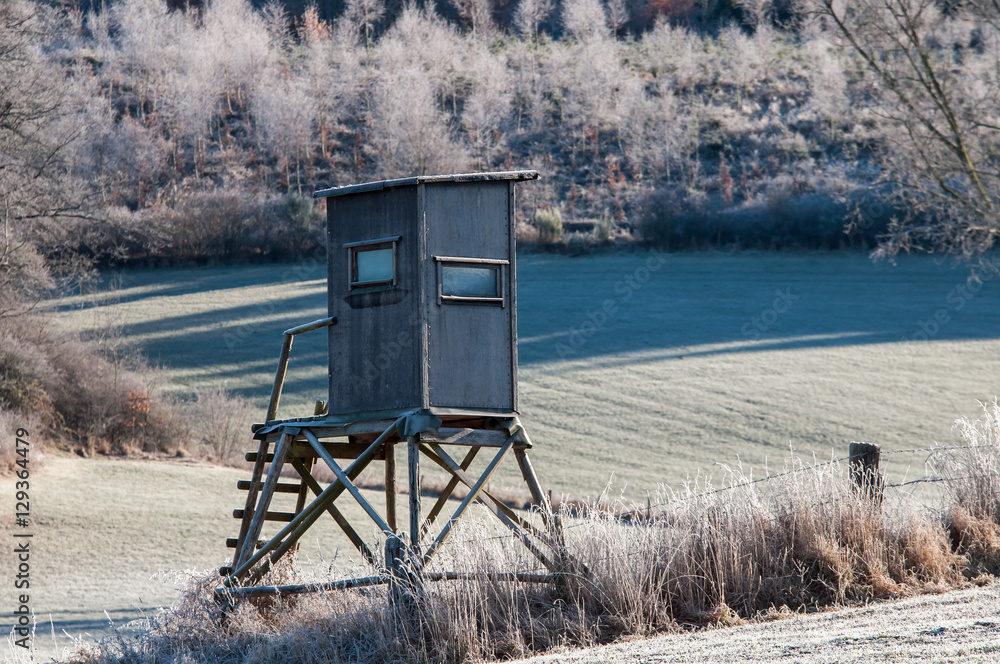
456 261
355 248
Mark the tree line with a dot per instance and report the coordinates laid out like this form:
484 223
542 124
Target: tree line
201 132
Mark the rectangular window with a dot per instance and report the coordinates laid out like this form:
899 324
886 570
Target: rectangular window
372 263
473 280
470 281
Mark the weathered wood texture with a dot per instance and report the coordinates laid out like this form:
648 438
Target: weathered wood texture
400 346
864 461
375 347
470 352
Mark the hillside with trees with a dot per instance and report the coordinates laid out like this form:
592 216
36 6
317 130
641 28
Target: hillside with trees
201 132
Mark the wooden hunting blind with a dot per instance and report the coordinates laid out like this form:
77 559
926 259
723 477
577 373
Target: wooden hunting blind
423 352
421 279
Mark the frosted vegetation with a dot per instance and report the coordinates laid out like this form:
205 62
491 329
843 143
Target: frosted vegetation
200 130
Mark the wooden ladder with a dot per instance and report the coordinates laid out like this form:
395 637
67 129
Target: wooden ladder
256 486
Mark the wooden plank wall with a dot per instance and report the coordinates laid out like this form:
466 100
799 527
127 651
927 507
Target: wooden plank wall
469 345
375 346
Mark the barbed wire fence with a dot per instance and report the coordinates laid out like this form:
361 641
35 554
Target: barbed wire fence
642 515
628 517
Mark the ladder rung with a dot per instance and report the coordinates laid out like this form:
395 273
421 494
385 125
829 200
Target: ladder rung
281 487
270 516
231 542
337 450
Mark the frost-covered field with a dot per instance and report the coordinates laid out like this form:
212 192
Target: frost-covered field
959 626
651 367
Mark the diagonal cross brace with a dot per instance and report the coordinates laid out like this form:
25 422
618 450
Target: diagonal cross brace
337 515
518 527
353 490
287 536
448 464
446 493
474 491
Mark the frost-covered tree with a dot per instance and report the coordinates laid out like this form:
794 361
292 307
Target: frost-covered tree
41 127
529 15
617 15
478 15
361 17
286 114
584 19
933 78
487 108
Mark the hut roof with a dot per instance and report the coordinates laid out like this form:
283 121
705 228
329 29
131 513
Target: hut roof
420 179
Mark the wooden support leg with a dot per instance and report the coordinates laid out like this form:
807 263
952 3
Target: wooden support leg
253 531
528 473
405 584
413 460
300 501
390 486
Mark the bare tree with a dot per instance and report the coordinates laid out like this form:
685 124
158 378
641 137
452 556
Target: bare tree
286 114
934 82
39 192
362 16
584 18
617 15
530 14
478 14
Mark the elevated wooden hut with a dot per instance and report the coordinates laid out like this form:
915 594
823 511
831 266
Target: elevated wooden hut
423 351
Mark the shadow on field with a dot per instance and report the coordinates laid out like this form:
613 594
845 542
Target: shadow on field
605 305
681 303
51 632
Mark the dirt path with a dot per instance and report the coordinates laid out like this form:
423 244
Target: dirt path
961 626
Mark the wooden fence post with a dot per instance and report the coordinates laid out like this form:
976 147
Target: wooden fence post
864 460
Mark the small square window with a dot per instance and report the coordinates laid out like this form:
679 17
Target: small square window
473 280
373 266
372 263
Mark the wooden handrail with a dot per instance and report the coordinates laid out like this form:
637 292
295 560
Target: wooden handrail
286 350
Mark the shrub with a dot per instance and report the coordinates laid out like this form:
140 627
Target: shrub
971 475
810 221
75 393
549 222
222 423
